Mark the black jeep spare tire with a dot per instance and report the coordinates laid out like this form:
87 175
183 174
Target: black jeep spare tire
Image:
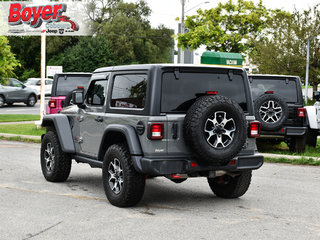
215 129
271 110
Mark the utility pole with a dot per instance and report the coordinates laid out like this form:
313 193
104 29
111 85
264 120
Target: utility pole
307 68
307 73
182 30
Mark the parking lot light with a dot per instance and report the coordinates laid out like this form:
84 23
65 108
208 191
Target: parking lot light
307 68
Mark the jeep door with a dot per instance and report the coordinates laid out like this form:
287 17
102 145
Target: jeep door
90 118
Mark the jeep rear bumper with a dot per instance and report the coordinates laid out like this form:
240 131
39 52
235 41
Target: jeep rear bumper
286 131
166 165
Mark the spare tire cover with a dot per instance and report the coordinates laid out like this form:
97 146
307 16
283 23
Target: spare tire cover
215 129
271 110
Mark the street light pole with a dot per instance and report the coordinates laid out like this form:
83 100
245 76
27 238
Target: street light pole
307 73
183 2
307 68
182 30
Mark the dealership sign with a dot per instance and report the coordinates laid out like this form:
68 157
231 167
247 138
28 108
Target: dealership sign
28 18
52 70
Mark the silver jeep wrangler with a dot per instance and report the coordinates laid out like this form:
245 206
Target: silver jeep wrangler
142 121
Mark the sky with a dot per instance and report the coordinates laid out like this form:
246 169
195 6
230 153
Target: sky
166 11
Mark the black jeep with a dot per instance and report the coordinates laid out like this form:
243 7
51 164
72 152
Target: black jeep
278 104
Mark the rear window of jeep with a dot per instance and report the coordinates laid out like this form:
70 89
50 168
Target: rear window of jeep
66 85
179 94
286 88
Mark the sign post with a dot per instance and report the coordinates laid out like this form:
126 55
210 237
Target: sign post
43 75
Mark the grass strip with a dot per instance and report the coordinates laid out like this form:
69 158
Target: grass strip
283 149
18 117
20 139
22 129
295 161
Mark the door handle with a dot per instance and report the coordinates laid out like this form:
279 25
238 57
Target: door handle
99 119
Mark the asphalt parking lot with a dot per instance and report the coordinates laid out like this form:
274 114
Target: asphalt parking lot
282 203
20 108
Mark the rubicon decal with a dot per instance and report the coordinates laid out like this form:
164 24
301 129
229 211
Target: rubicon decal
36 15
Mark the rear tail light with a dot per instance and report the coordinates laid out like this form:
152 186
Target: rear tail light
52 103
175 176
301 112
211 92
269 92
80 87
156 131
255 129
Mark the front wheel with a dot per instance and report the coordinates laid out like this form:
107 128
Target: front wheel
228 186
31 101
123 185
55 164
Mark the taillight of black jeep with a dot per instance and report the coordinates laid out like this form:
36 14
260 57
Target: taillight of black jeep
255 129
302 112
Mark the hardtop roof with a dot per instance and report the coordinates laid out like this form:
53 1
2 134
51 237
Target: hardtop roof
273 75
151 66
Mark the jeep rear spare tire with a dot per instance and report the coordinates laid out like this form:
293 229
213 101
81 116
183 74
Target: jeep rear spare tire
271 110
215 129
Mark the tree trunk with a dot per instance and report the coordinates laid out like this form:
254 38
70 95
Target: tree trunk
315 87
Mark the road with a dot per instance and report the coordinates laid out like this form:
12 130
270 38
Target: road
20 108
282 203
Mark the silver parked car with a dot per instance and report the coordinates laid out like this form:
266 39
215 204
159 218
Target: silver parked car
16 91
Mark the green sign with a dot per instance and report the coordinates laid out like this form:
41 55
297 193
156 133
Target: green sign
222 58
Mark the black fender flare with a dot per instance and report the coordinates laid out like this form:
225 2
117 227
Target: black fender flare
62 126
132 141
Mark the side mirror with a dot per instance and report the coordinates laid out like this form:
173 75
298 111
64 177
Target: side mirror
316 96
23 86
78 97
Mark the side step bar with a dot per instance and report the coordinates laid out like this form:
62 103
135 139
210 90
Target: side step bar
91 162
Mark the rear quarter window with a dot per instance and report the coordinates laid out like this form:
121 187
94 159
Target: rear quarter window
179 94
129 91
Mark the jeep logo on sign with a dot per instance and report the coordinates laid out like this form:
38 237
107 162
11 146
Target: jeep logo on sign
231 62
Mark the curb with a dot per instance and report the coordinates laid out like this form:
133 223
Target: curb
8 135
271 155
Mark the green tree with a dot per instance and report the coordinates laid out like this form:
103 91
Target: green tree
284 50
127 27
228 27
8 62
27 51
89 54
